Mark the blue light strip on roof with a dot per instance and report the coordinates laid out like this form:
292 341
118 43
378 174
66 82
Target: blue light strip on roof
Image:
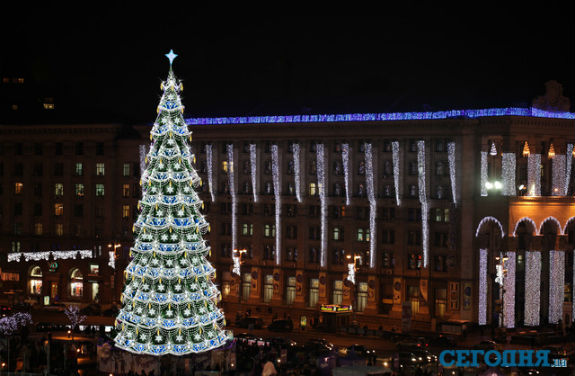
335 118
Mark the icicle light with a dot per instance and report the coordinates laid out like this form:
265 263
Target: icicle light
534 175
112 259
422 183
509 291
345 161
483 173
556 285
321 182
143 149
452 172
231 181
482 312
209 162
395 157
351 273
369 182
253 170
532 288
296 169
508 167
569 161
278 197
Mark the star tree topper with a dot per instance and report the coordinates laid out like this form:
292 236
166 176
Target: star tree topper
171 56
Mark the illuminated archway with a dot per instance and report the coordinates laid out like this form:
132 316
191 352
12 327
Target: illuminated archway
532 222
553 219
567 225
489 219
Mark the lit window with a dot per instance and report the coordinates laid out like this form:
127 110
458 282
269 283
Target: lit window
337 295
20 80
126 211
268 288
48 103
35 282
360 236
290 290
38 229
313 191
94 269
14 107
100 169
79 189
58 209
76 283
126 190
100 190
126 169
227 166
247 229
59 189
269 231
18 188
59 229
79 170
337 233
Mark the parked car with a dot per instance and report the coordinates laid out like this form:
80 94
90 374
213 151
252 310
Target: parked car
442 341
361 350
250 322
281 326
411 343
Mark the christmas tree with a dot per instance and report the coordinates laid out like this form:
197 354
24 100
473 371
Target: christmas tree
169 299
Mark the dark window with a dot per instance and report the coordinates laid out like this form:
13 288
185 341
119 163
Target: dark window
79 148
78 210
18 169
38 149
17 209
59 169
37 210
58 148
19 148
100 148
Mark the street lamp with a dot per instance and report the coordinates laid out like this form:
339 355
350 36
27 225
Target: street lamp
351 270
237 259
112 254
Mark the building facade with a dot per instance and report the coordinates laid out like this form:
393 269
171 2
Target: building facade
398 215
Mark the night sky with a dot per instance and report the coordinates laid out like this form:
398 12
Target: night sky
107 64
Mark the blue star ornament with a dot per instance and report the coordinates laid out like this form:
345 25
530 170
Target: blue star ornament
171 56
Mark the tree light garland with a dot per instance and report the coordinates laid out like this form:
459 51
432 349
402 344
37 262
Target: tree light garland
209 162
508 168
422 183
559 177
452 172
345 161
321 182
534 174
556 285
55 255
569 160
369 182
532 287
253 170
297 174
509 291
482 311
396 178
232 184
483 173
278 203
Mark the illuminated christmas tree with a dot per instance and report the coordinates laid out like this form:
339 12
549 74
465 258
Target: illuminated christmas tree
169 299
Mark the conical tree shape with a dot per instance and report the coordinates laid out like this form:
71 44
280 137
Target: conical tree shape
169 299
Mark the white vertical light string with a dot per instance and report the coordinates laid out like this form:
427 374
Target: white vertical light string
395 159
231 166
297 173
532 287
321 182
422 182
143 149
482 309
534 175
369 181
345 161
569 160
559 177
509 291
278 203
556 285
508 167
452 172
253 170
209 162
483 173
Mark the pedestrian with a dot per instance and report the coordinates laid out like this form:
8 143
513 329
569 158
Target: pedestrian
269 369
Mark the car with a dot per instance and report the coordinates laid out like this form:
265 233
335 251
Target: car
410 343
424 356
442 341
321 342
250 322
281 326
361 350
486 345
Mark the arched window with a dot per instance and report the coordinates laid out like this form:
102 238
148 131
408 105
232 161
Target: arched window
35 281
76 283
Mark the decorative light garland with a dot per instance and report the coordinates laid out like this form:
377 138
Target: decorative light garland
482 311
112 259
422 183
346 175
452 172
369 182
532 287
236 258
278 203
210 161
559 176
351 273
321 182
395 160
569 160
550 218
253 170
483 173
535 228
45 255
508 168
534 174
231 164
567 224
509 291
556 285
490 219
393 116
297 174
493 149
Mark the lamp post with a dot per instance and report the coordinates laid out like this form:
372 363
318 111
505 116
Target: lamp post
351 270
237 259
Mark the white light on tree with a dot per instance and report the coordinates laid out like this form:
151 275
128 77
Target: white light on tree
321 182
532 287
253 170
482 312
509 291
210 161
483 173
347 177
452 172
143 149
569 160
422 183
395 160
369 182
558 182
556 285
278 203
296 169
232 184
534 175
508 167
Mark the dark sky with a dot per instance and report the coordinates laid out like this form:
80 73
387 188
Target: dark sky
107 64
